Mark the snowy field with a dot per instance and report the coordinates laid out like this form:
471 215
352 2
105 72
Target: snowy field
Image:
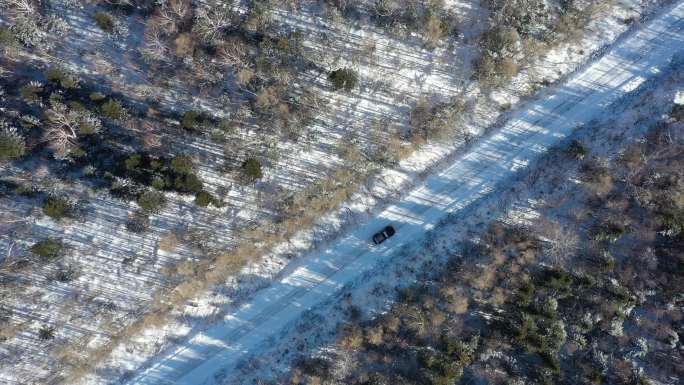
492 161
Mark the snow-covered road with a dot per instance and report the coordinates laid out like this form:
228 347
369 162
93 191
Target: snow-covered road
493 160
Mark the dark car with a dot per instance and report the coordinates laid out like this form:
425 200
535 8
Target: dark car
381 236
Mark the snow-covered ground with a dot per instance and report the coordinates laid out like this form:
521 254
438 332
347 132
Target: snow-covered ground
489 162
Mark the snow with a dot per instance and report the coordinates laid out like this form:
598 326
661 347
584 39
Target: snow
493 160
679 97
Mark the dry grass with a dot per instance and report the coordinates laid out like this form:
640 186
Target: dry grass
168 242
184 45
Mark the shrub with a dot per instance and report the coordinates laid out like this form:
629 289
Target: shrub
188 183
435 29
12 145
560 281
251 169
189 120
57 208
30 93
133 161
58 76
7 38
344 78
89 127
112 109
97 96
69 82
181 164
77 106
550 360
609 231
77 152
105 21
65 274
350 337
156 164
152 201
48 248
26 190
158 183
203 199
432 121
138 222
54 74
184 45
678 112
46 333
168 242
673 223
594 171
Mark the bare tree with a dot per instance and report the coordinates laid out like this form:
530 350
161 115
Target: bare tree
18 8
210 23
64 125
181 8
234 53
155 46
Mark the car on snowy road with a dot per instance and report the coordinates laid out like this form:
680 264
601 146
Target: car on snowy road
381 236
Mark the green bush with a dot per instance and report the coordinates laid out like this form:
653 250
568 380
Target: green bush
7 38
557 279
97 96
251 169
54 74
344 78
58 76
77 152
69 82
77 106
12 146
26 190
189 120
105 21
609 231
86 128
48 248
156 164
152 201
133 161
30 93
57 208
605 261
204 199
188 183
181 164
550 360
158 183
112 109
